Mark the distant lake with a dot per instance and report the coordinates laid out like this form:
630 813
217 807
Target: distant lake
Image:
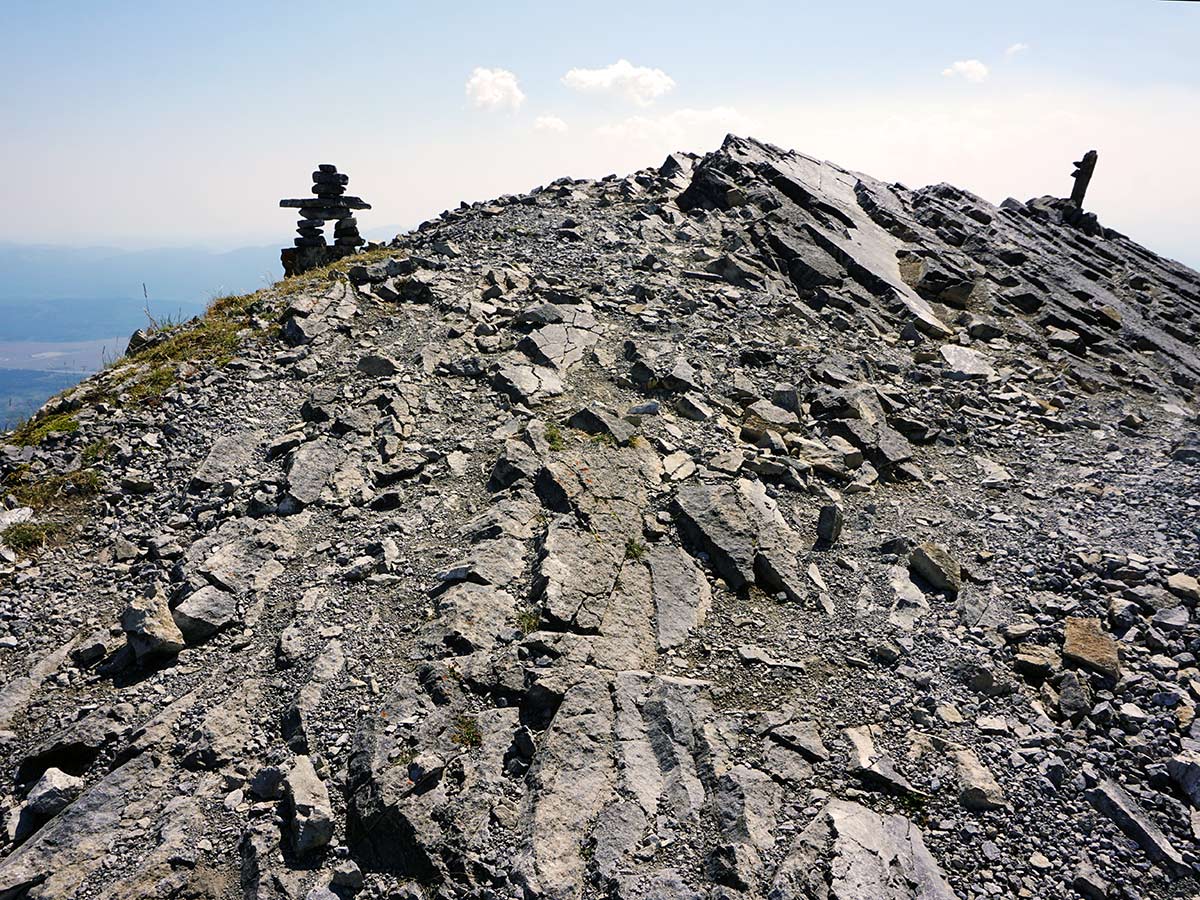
31 372
61 356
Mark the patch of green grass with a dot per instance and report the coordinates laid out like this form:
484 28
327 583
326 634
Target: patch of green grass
603 439
86 482
26 537
635 549
466 732
213 338
232 306
37 429
529 621
152 383
554 437
51 490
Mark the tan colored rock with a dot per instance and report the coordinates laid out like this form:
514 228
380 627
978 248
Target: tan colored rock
312 816
1185 586
979 790
934 563
149 628
1088 644
1037 661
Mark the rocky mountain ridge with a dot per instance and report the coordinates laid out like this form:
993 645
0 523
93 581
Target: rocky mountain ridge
743 527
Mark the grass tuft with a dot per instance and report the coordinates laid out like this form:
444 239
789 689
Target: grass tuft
232 306
52 490
34 431
554 437
528 621
26 537
635 549
466 732
213 338
152 383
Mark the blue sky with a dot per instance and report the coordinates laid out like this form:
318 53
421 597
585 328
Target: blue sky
147 124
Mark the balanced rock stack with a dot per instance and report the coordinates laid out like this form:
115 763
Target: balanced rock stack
329 204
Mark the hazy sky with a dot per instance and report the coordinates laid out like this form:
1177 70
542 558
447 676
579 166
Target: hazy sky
147 124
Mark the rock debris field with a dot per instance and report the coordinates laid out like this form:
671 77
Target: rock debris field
744 527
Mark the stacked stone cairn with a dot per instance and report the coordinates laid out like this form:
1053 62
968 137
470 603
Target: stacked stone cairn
329 204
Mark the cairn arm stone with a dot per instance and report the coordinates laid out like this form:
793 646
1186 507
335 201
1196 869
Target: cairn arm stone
324 203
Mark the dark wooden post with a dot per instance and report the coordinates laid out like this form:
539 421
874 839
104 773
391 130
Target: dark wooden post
1083 175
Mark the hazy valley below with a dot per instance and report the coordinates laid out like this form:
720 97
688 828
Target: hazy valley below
66 311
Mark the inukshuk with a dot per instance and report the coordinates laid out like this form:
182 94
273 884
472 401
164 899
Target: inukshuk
329 204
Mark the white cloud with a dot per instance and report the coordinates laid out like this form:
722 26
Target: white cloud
550 123
1016 48
494 89
641 84
970 69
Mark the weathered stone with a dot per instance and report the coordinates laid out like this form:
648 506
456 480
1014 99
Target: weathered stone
763 416
681 595
1114 801
377 365
224 732
310 468
873 766
979 789
937 567
473 615
597 420
1037 661
1184 768
228 460
311 814
149 628
849 852
802 736
963 362
1074 695
1185 586
51 793
1087 644
205 612
829 523
745 537
527 383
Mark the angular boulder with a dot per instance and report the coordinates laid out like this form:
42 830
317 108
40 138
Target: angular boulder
149 628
